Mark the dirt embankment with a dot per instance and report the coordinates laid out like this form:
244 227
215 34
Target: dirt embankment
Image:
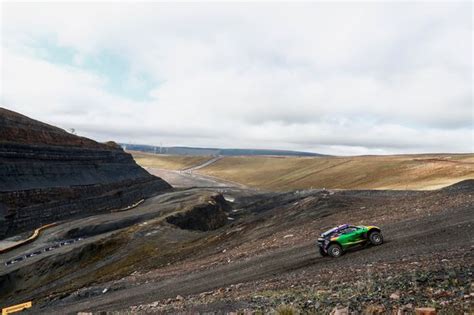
207 216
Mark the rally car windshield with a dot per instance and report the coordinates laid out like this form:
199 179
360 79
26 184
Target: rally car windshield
331 231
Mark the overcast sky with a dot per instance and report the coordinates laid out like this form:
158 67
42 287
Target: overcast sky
336 78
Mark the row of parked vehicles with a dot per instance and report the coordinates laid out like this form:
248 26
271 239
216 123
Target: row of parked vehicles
42 250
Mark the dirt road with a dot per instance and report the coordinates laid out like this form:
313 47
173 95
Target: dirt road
187 178
202 165
439 233
137 257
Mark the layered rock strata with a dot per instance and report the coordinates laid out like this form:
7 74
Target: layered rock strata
48 174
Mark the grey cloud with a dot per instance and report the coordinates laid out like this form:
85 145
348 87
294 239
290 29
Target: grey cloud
371 78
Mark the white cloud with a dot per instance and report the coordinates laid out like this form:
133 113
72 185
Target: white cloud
343 79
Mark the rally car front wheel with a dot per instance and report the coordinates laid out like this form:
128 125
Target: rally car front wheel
376 238
335 250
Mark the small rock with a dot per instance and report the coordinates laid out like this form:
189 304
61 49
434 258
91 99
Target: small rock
105 290
203 294
395 296
375 310
340 311
288 235
179 298
425 311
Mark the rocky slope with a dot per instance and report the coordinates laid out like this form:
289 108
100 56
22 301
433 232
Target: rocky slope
47 174
262 258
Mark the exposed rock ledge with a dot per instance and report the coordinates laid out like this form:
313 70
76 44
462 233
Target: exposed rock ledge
47 174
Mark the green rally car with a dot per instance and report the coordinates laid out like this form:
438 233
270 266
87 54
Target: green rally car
336 240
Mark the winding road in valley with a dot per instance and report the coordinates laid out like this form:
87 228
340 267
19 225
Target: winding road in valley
186 178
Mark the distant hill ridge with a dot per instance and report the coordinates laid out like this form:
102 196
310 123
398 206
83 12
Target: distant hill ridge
213 151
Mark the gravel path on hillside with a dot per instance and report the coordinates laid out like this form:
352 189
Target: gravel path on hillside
410 238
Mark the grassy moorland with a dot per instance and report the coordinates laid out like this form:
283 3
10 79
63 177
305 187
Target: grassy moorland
419 172
168 162
364 172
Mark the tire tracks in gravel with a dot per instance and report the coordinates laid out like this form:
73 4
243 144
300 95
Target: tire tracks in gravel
408 237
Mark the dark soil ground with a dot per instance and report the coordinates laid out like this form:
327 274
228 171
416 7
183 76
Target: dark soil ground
263 257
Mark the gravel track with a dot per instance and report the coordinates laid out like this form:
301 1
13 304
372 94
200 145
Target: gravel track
405 238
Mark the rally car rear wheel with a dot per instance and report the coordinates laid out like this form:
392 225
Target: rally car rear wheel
376 238
335 250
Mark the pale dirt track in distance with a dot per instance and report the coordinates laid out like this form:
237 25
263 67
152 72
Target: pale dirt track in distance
180 179
180 172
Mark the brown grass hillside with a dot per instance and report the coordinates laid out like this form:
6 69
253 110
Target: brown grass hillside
417 172
169 162
365 172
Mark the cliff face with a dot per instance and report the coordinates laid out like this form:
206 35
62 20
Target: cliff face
47 174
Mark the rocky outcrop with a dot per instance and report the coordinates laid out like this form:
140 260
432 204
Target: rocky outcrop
208 215
47 174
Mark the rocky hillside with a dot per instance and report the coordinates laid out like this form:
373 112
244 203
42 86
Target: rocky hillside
48 174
